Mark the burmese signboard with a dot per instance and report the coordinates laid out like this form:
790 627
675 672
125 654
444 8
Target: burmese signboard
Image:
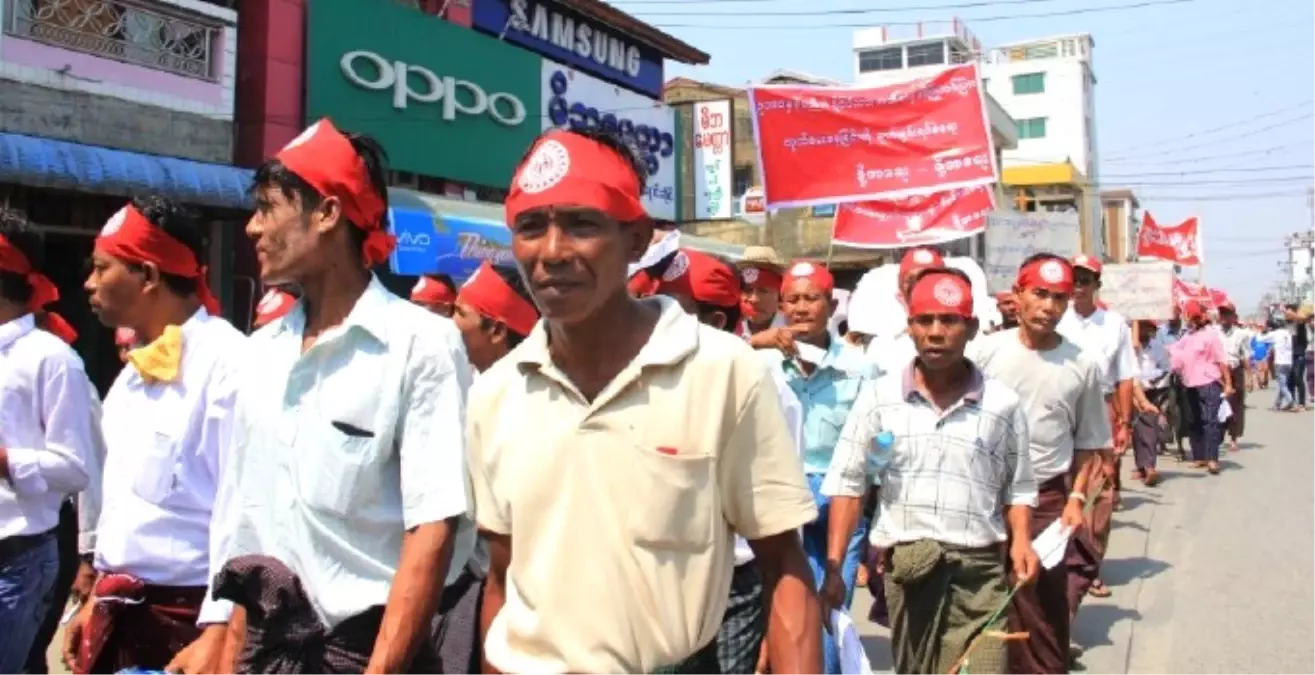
444 101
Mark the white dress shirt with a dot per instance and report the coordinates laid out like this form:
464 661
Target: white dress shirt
89 501
46 426
341 449
1237 345
168 447
1104 334
794 420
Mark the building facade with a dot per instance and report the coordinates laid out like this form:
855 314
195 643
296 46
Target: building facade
1122 224
101 100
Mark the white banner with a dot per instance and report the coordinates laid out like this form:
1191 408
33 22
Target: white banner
572 98
1013 237
1139 290
713 170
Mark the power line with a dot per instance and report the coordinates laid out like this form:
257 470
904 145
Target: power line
1224 127
910 8
1249 169
1220 197
1230 181
982 19
1199 158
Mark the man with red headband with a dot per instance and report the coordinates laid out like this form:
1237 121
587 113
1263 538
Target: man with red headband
618 449
1060 387
892 349
760 278
920 435
494 313
350 467
46 442
168 427
436 293
1200 362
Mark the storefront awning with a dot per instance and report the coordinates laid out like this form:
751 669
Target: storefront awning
42 162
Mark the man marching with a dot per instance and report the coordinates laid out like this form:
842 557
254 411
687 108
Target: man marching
894 349
618 449
348 528
47 442
494 313
436 293
168 428
949 451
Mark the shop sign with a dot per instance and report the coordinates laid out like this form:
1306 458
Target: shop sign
442 100
566 36
576 100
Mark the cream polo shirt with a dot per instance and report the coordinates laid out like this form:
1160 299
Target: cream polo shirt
623 510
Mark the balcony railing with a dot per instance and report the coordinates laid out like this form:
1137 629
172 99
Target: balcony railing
119 30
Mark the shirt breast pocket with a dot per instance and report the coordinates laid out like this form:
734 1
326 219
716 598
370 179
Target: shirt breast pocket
674 500
331 479
156 477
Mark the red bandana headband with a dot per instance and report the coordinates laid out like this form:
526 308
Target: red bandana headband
275 305
761 277
44 291
818 275
324 158
567 169
1053 274
430 291
701 277
489 294
918 259
130 237
941 293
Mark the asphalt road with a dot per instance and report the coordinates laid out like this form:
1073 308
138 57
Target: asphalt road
1210 574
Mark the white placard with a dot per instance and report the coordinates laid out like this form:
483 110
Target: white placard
575 98
1139 290
713 171
1012 237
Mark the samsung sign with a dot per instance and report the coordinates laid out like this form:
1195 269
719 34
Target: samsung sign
565 36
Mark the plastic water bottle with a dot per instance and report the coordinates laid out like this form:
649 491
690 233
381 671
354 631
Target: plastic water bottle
884 441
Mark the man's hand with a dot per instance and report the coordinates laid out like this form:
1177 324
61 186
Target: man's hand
83 582
204 655
1122 436
1228 391
73 637
832 595
1072 516
1025 561
761 668
781 337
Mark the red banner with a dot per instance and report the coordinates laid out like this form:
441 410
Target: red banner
829 145
924 220
1184 291
1179 244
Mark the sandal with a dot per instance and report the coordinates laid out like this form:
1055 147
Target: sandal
1213 468
1099 590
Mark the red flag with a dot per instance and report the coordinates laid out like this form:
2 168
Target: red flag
1179 244
914 221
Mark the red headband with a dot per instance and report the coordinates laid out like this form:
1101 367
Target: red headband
701 277
44 291
1053 274
275 305
430 291
762 277
813 272
1194 310
324 158
130 237
1087 262
917 259
567 169
941 293
490 295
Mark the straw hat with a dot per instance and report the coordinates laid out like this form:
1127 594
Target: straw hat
761 256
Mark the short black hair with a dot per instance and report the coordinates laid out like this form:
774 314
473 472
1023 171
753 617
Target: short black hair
181 223
732 313
513 278
274 174
612 141
15 227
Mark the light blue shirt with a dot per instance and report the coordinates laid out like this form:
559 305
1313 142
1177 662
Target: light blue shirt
340 450
826 397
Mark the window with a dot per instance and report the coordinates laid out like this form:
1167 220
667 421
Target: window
927 55
1031 83
890 58
958 54
1045 51
742 179
1032 128
823 211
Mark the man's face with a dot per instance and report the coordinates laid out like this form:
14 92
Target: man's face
1085 285
285 236
116 292
1227 319
807 306
1040 309
483 347
574 260
940 338
1008 306
765 301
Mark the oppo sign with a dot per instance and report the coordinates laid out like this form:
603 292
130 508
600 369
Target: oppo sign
451 92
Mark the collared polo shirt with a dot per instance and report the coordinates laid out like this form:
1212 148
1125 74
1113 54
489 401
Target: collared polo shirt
622 511
950 474
825 396
341 449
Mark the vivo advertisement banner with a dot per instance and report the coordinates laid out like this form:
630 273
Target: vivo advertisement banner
451 245
565 36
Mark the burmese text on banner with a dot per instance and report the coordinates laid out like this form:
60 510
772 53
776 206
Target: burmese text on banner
713 164
829 145
1139 290
1185 291
921 220
1179 244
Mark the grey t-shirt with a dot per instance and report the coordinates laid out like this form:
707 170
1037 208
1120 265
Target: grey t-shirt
1061 391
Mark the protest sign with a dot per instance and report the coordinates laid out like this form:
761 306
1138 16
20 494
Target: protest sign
1139 290
1011 237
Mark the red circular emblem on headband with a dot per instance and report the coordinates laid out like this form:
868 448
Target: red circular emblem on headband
923 257
947 293
802 269
677 268
751 275
1052 272
546 167
114 223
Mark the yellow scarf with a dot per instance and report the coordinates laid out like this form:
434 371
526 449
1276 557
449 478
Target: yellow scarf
158 361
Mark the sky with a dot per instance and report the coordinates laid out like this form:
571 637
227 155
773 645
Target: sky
1221 89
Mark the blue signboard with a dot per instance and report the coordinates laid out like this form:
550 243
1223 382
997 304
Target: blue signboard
456 246
567 37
